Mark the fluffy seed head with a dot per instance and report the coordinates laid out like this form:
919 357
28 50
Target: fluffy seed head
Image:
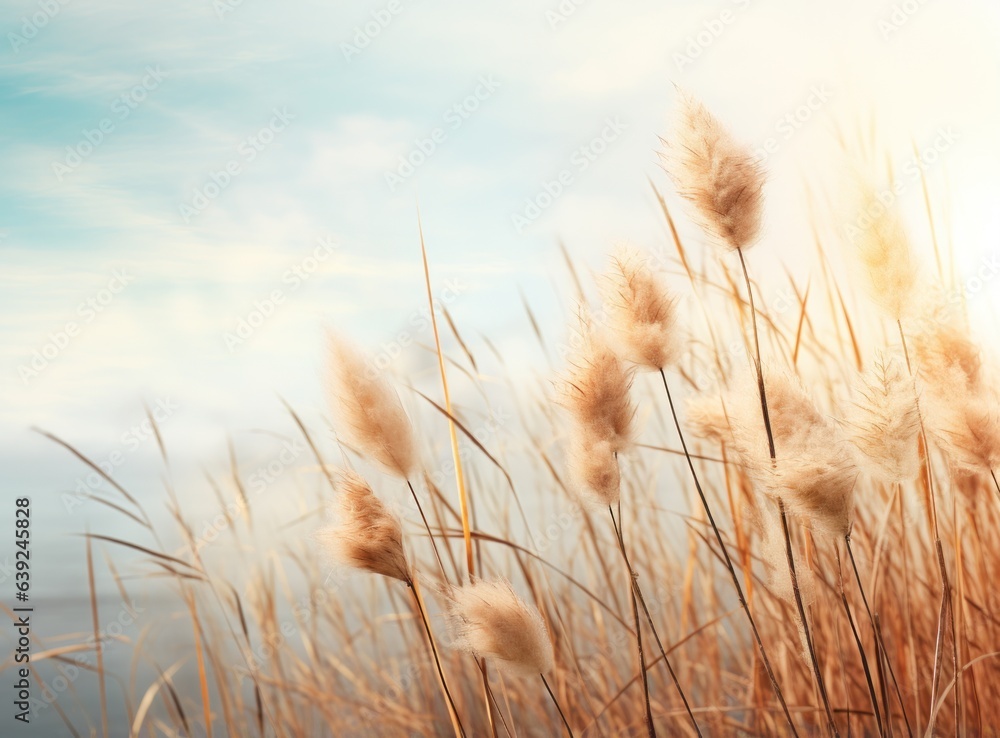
491 621
963 406
980 439
884 423
818 487
595 390
594 468
813 473
948 361
707 416
719 177
370 413
367 535
888 262
968 430
641 312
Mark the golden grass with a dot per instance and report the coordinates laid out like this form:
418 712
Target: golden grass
893 629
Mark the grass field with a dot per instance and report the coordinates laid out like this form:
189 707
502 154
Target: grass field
802 491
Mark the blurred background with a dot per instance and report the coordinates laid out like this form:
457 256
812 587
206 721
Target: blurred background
195 191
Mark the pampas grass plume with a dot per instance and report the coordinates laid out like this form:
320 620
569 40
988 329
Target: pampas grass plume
596 390
642 315
963 405
372 417
885 253
970 433
594 468
492 622
948 361
813 472
718 176
367 535
884 423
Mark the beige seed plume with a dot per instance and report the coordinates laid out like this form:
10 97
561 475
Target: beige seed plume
594 468
719 176
492 622
818 486
369 411
813 472
641 312
948 361
962 404
969 432
708 418
595 390
367 536
888 261
884 423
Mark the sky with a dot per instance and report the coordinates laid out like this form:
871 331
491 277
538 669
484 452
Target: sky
195 191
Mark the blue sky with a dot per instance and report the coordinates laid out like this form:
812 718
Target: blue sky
536 94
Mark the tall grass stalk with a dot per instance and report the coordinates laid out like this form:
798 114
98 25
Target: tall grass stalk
728 560
800 607
637 596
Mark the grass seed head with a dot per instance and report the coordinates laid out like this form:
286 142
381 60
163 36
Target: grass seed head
884 423
367 535
492 622
642 314
371 416
596 390
719 177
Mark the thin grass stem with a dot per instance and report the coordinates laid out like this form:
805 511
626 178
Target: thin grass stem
649 619
559 709
651 730
729 563
878 633
861 651
420 509
756 357
805 621
452 708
